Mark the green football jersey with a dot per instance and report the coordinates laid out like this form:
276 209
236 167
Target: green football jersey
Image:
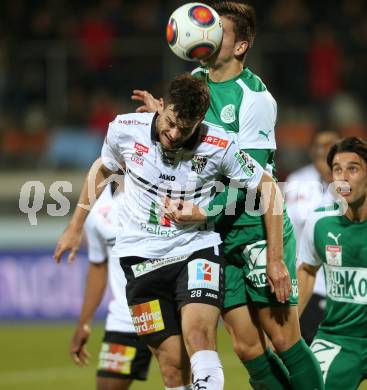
244 107
340 246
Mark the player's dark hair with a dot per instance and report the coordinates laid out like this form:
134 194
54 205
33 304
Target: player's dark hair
243 17
348 145
190 98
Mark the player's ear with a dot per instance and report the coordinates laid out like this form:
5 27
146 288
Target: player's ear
240 48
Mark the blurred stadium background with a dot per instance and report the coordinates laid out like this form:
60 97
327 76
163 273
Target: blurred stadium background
66 69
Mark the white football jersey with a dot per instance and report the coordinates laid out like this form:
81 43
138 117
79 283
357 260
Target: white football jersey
152 174
100 229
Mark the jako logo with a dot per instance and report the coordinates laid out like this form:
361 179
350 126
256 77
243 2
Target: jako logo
203 272
167 177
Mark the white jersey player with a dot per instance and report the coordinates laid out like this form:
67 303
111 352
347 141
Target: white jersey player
175 271
122 357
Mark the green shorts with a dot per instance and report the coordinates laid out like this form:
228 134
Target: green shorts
248 283
343 360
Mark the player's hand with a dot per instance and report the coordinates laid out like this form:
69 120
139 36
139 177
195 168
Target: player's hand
69 241
150 103
279 279
181 211
78 350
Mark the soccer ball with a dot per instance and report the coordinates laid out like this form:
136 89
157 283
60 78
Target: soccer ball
194 31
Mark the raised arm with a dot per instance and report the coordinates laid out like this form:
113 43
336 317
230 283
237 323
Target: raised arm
94 184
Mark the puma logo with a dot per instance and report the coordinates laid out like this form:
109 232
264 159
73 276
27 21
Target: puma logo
335 238
198 386
265 134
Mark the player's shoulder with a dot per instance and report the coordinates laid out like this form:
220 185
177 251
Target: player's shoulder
200 72
129 127
251 81
323 213
214 136
255 93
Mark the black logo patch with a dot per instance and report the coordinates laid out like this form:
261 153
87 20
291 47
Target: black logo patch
198 163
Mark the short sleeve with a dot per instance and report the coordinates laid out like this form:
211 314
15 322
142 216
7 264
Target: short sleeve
307 250
257 118
237 165
97 251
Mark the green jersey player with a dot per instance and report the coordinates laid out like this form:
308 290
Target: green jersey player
241 104
338 243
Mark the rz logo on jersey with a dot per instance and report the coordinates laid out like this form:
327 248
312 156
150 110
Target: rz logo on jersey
245 162
198 163
209 139
138 156
140 149
203 274
333 255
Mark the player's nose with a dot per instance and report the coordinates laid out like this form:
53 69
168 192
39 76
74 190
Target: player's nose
174 134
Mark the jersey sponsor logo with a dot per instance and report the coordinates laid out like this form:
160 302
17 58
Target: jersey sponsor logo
116 358
209 139
333 237
203 274
325 352
346 284
130 122
153 264
245 162
138 156
265 134
228 114
333 254
167 177
198 163
147 317
158 230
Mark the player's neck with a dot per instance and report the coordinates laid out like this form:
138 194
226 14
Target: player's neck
357 213
225 72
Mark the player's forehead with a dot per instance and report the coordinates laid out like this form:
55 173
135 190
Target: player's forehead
171 115
348 158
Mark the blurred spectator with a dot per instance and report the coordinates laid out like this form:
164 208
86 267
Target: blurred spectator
103 110
96 36
325 65
307 189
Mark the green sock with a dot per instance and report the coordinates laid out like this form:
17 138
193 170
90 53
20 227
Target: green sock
304 369
267 372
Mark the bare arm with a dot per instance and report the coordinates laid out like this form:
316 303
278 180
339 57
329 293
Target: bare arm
94 290
93 186
306 275
277 272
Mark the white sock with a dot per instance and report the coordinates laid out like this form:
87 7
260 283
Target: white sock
207 371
